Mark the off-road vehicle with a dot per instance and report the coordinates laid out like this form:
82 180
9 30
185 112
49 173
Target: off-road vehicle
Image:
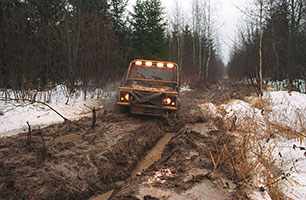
150 87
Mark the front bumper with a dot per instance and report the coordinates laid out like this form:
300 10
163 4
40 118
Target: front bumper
147 101
146 106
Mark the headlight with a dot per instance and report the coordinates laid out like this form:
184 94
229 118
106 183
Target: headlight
169 101
125 97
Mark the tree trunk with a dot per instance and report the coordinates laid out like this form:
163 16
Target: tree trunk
276 67
260 47
209 42
200 58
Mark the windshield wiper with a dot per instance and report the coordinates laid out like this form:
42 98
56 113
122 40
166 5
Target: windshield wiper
142 75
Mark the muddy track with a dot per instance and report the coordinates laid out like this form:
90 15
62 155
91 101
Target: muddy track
74 161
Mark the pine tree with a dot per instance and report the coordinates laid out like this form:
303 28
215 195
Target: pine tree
149 30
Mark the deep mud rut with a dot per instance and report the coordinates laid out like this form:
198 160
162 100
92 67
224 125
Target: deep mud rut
114 161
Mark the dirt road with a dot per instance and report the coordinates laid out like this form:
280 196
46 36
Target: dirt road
75 161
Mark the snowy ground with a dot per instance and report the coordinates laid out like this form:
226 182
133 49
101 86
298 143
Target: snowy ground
298 84
15 115
282 116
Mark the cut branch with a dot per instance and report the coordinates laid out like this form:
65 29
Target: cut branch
94 111
29 139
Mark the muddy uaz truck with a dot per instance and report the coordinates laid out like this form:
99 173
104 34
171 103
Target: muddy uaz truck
150 87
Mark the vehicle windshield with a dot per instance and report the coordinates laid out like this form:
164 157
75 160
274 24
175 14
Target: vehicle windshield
153 73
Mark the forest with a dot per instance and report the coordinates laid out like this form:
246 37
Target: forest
272 43
89 43
83 43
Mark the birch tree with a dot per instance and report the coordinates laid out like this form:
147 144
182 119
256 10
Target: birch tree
209 38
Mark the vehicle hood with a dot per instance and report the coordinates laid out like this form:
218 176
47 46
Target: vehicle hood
151 85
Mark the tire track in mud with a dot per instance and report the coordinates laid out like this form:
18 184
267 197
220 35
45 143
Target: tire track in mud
184 170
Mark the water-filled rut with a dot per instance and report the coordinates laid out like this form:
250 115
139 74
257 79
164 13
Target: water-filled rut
153 155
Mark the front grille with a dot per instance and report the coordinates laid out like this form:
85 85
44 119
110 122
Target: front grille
148 98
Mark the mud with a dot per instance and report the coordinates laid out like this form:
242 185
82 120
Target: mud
74 161
153 155
185 170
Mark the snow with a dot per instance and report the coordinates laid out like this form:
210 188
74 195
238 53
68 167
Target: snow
283 110
293 161
185 88
71 106
287 109
298 84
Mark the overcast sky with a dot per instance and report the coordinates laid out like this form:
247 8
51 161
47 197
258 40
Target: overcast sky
226 18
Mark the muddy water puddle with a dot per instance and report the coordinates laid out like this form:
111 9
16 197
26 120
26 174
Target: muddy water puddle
151 156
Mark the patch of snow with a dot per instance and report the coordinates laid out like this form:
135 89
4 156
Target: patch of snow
71 106
299 84
291 159
244 114
205 191
185 88
210 110
256 195
287 109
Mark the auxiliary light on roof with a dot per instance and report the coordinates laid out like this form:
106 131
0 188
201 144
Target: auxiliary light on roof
138 62
170 65
148 64
160 65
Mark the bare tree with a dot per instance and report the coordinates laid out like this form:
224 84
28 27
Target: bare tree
260 45
209 38
198 14
177 23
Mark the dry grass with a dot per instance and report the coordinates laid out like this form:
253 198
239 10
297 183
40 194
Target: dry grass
260 103
247 157
222 110
226 95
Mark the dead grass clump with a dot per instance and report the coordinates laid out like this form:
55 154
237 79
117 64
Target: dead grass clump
260 103
287 132
222 110
246 159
